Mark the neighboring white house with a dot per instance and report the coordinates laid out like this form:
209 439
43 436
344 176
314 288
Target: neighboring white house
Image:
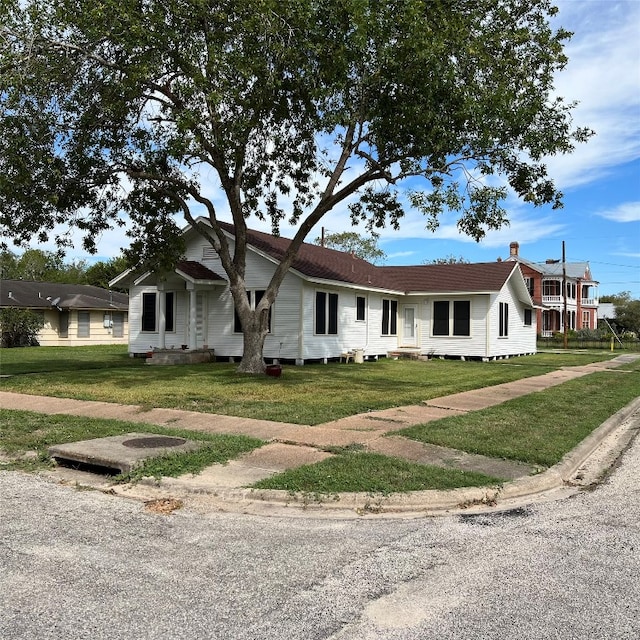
74 314
331 302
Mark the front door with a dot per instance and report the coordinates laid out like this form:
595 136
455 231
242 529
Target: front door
409 327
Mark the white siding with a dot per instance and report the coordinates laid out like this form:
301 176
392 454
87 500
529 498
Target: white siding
474 345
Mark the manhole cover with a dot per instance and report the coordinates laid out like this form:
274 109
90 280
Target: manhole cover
153 441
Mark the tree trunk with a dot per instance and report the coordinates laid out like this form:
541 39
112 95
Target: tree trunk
253 341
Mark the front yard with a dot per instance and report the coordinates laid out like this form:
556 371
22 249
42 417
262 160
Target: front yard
539 428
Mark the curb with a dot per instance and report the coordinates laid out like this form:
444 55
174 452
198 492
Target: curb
584 466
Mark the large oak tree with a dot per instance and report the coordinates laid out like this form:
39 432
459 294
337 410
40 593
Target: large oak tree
141 109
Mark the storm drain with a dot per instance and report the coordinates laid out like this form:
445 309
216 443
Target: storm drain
118 454
152 442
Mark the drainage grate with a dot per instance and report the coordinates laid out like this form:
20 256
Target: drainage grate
152 442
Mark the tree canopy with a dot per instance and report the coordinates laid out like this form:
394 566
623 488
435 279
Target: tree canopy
275 110
365 247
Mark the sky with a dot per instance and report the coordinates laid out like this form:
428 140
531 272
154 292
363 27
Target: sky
600 221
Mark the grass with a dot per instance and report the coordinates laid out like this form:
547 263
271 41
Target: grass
26 432
311 394
372 473
539 428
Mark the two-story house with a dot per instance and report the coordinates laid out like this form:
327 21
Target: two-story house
578 295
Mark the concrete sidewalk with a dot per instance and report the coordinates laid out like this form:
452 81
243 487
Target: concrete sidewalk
292 445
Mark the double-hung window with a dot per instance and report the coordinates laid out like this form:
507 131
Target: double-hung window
452 318
361 306
389 317
326 318
149 311
503 320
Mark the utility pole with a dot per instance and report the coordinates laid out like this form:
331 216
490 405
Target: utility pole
564 291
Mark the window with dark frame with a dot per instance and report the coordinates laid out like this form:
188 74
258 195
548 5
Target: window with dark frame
504 320
441 318
389 317
444 324
361 308
149 311
461 318
169 311
326 313
528 317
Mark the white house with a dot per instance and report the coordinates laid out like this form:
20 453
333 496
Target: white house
331 302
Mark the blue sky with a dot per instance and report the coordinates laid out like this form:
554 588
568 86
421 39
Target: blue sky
600 222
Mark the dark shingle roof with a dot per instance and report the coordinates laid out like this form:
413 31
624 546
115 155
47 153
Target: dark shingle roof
197 271
314 261
27 294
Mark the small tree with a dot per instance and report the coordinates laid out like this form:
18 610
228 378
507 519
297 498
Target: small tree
20 327
361 246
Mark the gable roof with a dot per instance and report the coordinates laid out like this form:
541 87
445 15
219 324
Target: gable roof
316 262
197 272
26 294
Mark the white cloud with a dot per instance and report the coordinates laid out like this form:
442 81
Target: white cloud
602 76
625 212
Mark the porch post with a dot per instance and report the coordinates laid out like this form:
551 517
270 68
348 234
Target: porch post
162 319
193 330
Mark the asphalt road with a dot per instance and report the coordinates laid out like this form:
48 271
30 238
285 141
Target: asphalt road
82 564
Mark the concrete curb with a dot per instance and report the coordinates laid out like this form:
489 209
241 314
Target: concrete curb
575 471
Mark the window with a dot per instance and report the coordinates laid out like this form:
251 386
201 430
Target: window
253 296
360 307
551 288
446 324
326 313
441 318
504 320
461 318
63 332
169 311
84 322
149 311
528 317
530 285
586 320
118 324
389 317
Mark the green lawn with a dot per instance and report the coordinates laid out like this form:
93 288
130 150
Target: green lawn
539 428
311 394
26 431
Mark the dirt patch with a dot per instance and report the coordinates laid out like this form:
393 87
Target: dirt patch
163 506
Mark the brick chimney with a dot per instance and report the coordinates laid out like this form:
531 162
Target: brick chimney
513 249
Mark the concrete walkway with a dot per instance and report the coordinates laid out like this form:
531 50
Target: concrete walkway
292 445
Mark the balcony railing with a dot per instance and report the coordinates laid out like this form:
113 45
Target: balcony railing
585 302
552 299
589 302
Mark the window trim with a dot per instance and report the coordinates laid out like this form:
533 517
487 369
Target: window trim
389 317
361 308
326 307
83 329
503 320
146 309
453 322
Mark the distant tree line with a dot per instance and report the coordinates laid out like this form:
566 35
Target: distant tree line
48 266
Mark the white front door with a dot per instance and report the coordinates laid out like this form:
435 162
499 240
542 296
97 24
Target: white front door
409 327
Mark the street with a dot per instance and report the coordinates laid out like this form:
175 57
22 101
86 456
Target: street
83 564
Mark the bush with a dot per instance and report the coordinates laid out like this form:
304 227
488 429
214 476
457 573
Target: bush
19 327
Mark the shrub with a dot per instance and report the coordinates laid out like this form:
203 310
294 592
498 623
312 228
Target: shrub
19 327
